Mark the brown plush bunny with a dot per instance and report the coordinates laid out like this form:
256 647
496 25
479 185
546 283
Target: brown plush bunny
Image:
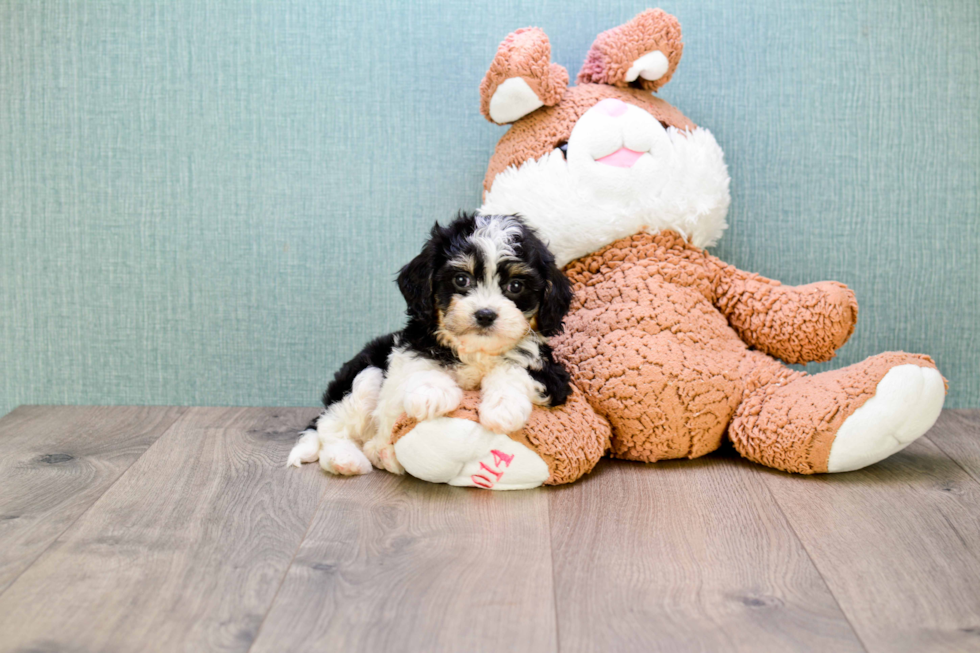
671 350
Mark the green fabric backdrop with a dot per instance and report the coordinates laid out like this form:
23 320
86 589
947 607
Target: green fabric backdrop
205 201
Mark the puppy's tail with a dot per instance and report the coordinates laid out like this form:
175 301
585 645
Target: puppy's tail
307 448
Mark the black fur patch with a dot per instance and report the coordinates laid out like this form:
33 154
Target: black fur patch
554 377
374 354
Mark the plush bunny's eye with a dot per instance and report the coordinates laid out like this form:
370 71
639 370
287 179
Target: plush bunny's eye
563 146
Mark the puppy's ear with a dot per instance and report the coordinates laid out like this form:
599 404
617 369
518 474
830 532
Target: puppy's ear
555 300
415 279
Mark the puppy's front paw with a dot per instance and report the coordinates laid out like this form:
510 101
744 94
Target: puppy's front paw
505 413
382 455
430 400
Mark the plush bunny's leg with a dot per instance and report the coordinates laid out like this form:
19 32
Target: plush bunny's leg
842 420
558 445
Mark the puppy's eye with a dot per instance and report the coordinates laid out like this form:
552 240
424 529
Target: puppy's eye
515 287
462 281
563 146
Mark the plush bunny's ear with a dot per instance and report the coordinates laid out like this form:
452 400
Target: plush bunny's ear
521 78
644 52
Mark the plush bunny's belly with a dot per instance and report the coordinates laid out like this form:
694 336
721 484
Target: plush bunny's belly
652 353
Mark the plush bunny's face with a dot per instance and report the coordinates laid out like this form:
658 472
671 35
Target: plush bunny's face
593 163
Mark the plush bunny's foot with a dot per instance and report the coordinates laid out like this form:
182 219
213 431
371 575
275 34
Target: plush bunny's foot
462 452
841 420
906 404
557 445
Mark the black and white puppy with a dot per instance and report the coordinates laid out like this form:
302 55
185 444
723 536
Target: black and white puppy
483 297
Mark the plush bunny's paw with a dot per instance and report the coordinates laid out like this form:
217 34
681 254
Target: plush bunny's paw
505 413
432 399
906 404
381 453
343 458
464 453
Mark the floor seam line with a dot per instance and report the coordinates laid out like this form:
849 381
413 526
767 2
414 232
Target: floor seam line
285 574
813 562
554 579
950 457
969 475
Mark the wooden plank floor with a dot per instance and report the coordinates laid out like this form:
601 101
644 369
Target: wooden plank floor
165 529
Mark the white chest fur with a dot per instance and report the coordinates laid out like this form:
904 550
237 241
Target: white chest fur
469 375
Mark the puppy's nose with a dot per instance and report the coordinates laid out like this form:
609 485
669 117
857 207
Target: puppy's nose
485 317
612 107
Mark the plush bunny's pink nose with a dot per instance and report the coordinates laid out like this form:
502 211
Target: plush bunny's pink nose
612 107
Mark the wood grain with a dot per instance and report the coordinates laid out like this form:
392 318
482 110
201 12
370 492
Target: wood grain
185 552
206 542
396 564
957 434
55 462
686 555
898 544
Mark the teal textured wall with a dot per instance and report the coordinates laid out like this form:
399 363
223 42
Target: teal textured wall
205 201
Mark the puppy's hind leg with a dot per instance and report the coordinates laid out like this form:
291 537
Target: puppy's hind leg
331 443
339 455
347 424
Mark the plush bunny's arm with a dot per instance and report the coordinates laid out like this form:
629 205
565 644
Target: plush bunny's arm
797 324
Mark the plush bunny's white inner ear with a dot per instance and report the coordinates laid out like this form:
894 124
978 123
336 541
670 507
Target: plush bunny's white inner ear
651 66
512 100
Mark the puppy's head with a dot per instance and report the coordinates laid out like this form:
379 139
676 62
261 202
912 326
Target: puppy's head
485 282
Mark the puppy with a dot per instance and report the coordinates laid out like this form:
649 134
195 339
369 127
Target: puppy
483 297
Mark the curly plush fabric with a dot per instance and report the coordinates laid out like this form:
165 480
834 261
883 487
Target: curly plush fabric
795 324
654 355
615 50
525 54
671 349
545 129
570 439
